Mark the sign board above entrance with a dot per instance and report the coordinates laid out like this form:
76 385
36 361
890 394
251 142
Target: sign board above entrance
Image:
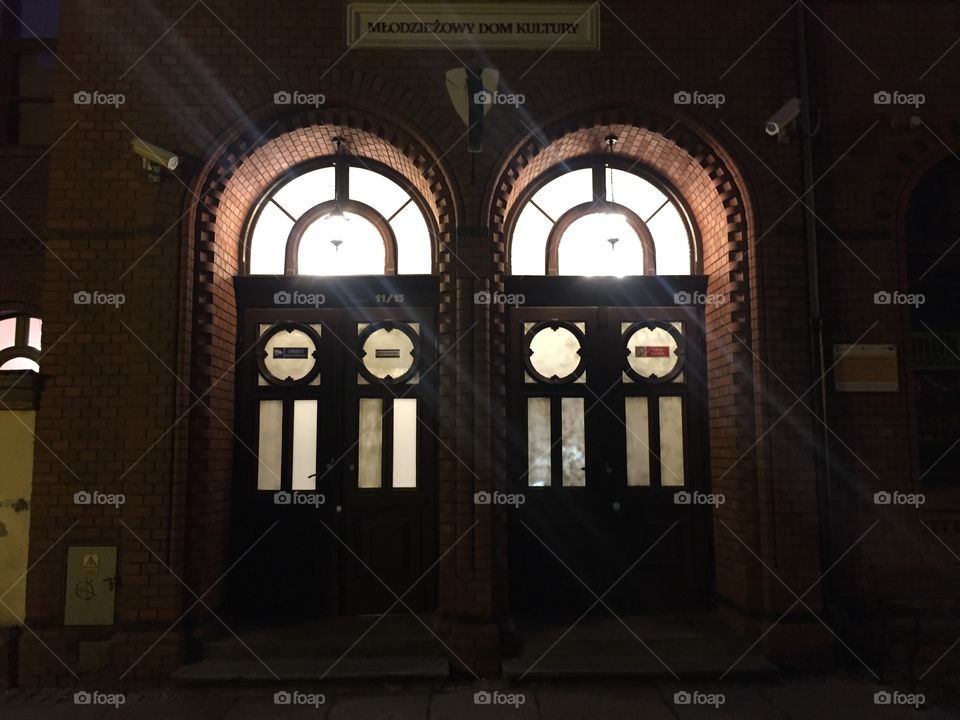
521 26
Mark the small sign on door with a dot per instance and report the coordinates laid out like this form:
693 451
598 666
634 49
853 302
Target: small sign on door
652 351
290 353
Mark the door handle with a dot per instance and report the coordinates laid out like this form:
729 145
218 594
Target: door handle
616 506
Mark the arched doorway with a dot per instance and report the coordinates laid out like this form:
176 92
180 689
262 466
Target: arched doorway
319 263
606 400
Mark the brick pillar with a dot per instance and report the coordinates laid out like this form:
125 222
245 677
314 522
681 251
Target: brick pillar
471 606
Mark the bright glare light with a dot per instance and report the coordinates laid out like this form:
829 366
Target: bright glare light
341 244
586 247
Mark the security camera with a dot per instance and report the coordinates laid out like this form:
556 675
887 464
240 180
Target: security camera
783 117
153 155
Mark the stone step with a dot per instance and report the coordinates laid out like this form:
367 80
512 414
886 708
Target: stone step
312 670
596 666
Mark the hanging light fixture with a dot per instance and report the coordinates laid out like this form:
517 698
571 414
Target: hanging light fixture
337 224
613 221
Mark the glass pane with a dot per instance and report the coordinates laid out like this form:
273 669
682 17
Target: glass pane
8 332
376 190
574 451
634 192
306 191
347 244
638 441
36 123
20 363
414 250
304 444
33 333
269 241
566 191
538 442
387 352
600 244
671 441
405 442
290 355
39 18
370 443
555 352
651 352
528 248
269 445
671 241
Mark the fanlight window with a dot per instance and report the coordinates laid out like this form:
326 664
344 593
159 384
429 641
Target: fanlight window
20 343
602 220
340 219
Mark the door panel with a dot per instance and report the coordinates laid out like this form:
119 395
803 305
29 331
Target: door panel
643 400
338 526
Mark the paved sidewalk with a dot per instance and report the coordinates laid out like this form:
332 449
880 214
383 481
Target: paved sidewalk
819 699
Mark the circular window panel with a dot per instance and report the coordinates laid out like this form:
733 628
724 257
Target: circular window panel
654 352
288 354
553 351
389 352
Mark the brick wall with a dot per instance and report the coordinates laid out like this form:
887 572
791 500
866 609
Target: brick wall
121 410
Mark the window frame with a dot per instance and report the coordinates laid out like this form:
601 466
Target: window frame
21 338
341 165
13 47
599 163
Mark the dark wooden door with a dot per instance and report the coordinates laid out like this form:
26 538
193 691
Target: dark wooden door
335 488
636 385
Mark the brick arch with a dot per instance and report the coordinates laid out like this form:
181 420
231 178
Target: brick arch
713 190
224 193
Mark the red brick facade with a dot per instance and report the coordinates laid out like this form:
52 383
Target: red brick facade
141 400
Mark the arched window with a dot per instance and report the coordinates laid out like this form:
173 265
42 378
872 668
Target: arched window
20 342
602 216
341 217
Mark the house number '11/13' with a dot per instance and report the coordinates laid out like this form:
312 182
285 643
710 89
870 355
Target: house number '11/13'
392 298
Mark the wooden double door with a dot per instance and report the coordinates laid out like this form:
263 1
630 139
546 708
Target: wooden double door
607 446
335 485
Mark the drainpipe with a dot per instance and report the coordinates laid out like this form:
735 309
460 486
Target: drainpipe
818 364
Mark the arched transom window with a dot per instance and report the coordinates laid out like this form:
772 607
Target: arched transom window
344 217
602 217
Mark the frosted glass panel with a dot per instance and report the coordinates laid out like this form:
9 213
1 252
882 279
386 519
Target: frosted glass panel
8 332
302 193
20 363
671 441
269 241
538 442
290 354
405 442
304 444
371 443
574 452
555 352
638 441
379 192
347 244
671 242
558 196
651 352
414 249
634 192
600 244
33 334
528 251
387 352
270 445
